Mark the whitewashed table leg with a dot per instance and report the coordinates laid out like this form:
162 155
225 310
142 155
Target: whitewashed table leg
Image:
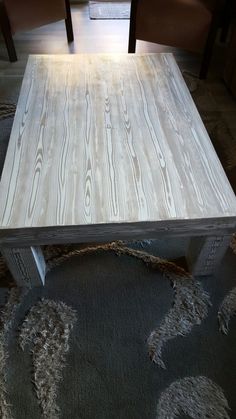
205 254
27 265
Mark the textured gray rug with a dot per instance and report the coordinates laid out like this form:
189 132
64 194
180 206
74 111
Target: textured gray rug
80 346
109 10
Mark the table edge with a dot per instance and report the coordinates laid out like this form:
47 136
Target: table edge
116 231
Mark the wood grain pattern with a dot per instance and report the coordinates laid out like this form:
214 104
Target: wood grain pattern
109 139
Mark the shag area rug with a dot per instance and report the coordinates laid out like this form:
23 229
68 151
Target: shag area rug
119 331
109 10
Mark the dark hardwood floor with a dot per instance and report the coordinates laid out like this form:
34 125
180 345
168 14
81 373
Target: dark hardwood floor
91 36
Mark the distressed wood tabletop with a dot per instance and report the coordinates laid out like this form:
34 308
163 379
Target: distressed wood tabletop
111 140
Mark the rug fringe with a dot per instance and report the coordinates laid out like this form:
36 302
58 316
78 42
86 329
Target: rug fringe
197 397
190 308
15 298
47 328
226 311
7 110
233 243
167 268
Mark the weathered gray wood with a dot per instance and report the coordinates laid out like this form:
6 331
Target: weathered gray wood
27 265
205 254
115 231
115 139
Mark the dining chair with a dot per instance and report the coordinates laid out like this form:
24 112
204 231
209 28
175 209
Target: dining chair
187 24
22 15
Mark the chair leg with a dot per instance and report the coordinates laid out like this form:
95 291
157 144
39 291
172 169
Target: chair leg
224 32
6 32
132 44
205 63
132 27
207 54
68 22
226 20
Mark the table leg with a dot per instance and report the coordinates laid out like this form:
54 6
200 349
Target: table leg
27 265
205 254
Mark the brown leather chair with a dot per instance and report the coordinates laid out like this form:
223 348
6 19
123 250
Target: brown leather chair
20 15
187 24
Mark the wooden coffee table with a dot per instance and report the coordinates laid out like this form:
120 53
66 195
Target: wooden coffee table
107 147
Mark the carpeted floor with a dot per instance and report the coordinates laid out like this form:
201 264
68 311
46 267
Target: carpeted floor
112 304
118 302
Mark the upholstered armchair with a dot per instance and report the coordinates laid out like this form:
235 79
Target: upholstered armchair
20 15
187 24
